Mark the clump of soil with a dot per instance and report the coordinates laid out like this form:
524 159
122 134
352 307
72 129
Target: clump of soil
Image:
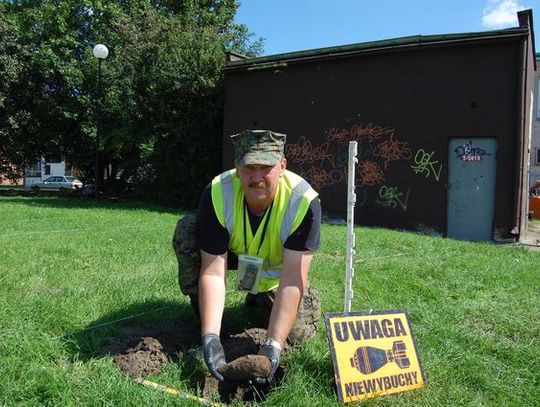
235 347
144 350
144 359
246 368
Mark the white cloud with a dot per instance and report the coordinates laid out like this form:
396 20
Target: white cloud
501 13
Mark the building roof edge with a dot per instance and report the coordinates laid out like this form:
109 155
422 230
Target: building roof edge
358 48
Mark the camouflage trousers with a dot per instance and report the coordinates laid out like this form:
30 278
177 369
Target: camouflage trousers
189 264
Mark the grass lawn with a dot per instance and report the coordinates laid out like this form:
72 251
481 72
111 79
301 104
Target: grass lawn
67 265
534 225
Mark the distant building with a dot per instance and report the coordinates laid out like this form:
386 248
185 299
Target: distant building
442 123
534 163
45 168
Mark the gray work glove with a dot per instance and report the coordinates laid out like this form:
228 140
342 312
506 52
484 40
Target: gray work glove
272 350
214 356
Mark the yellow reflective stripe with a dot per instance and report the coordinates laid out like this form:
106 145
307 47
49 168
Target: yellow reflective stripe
222 198
309 196
292 214
217 199
227 187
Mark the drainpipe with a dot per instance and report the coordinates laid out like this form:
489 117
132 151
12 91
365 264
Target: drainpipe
522 125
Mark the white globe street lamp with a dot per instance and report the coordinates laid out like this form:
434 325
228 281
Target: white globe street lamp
101 52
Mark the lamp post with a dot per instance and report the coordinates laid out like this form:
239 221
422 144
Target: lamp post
101 52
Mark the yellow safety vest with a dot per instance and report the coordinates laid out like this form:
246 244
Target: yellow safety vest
292 200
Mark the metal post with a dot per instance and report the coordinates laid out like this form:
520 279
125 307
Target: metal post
351 240
98 125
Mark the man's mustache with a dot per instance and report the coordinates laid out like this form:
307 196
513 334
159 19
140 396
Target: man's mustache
259 184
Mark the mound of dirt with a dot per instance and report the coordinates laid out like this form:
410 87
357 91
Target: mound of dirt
144 350
144 359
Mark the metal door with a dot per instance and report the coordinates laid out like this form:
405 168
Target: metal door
471 188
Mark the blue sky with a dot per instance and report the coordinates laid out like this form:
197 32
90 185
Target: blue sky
296 25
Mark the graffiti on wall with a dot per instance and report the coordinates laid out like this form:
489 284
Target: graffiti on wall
392 197
468 152
303 152
358 132
369 173
392 150
424 163
324 162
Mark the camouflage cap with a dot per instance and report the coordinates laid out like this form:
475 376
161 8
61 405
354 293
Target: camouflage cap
263 147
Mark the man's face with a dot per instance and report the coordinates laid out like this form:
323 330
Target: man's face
260 182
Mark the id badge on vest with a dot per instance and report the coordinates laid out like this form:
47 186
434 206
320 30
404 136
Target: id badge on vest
249 273
249 267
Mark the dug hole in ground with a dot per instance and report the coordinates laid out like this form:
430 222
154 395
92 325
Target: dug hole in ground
145 349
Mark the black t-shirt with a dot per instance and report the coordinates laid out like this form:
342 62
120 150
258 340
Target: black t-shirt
214 238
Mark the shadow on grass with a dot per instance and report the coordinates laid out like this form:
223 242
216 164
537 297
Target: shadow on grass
117 331
76 201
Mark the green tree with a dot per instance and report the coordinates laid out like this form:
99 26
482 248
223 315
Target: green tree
11 65
162 87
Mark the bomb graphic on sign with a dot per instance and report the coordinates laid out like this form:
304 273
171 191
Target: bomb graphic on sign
374 354
368 359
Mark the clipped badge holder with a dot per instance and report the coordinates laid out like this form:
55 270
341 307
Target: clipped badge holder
249 273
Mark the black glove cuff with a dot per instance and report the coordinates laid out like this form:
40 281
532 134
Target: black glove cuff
273 343
206 338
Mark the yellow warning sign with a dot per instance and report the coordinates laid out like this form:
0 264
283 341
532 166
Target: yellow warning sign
374 354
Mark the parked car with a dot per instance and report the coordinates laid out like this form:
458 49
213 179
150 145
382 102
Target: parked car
58 183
